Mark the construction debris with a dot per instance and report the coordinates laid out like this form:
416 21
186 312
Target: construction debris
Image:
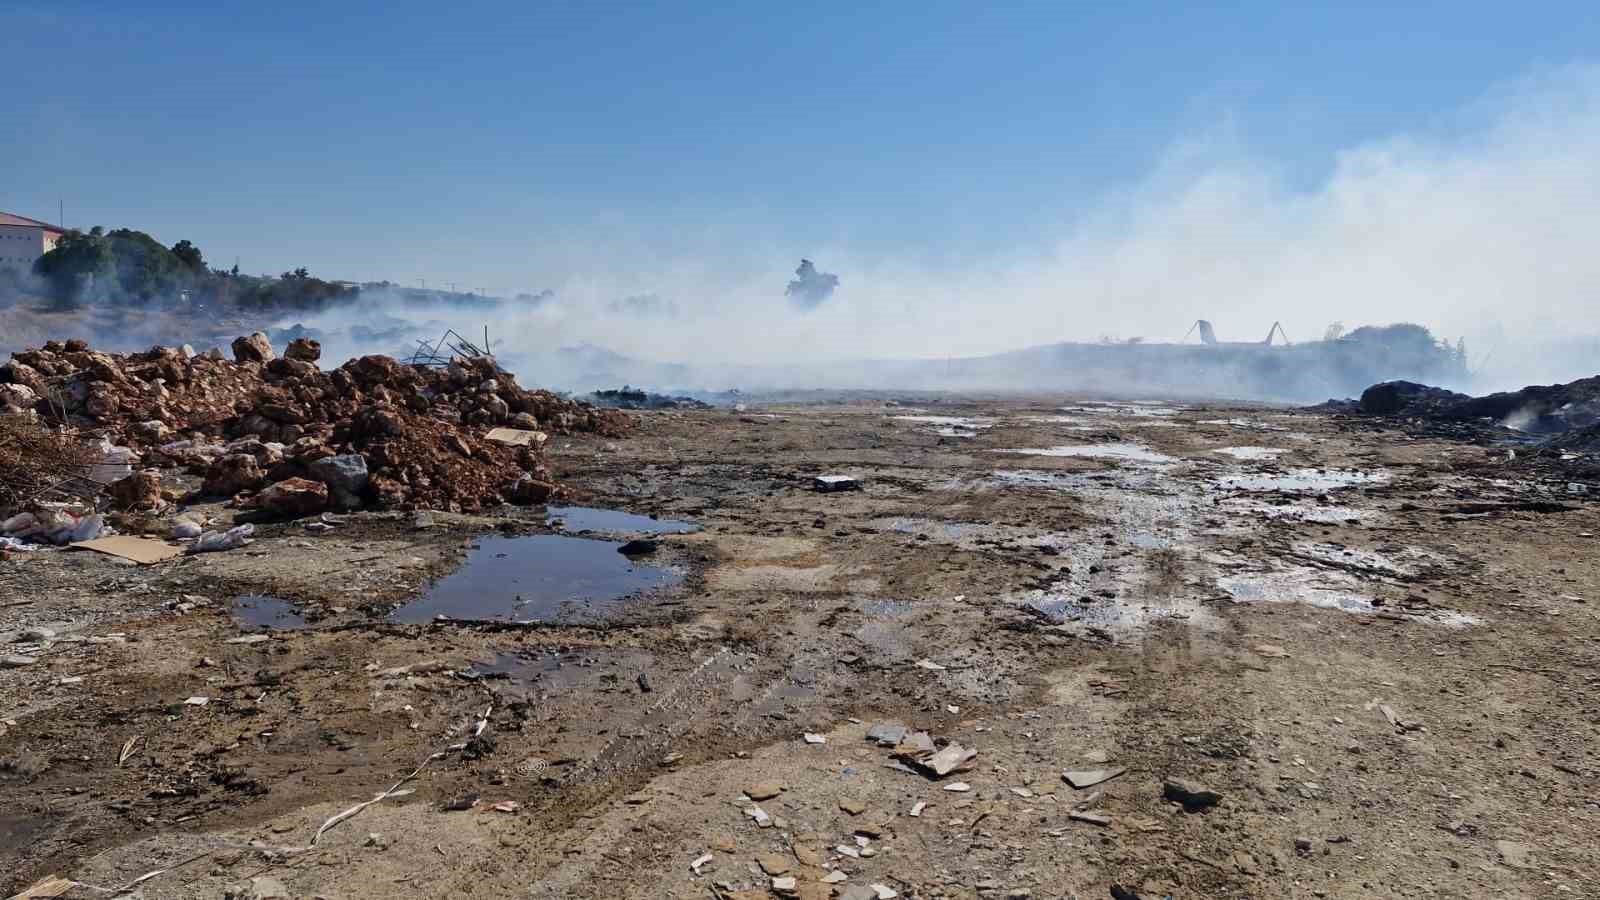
451 430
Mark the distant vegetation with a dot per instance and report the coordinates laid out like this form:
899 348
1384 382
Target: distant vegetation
124 267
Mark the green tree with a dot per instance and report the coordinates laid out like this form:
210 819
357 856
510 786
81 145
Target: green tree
188 254
78 264
146 269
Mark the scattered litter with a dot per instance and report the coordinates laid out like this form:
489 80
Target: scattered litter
1090 777
952 758
216 541
506 806
143 551
516 437
958 787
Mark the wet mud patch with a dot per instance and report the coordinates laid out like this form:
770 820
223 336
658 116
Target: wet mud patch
539 578
1252 453
1301 481
1119 451
1324 590
583 519
260 612
542 674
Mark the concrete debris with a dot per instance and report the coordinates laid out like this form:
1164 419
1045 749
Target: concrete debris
699 862
829 484
774 864
936 763
811 738
1090 777
786 884
1092 818
886 734
958 787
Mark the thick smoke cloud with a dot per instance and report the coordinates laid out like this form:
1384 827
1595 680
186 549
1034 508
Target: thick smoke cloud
810 288
644 306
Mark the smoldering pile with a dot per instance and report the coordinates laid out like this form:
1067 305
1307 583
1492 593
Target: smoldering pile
280 434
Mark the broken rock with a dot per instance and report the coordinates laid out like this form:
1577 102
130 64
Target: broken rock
293 498
1193 795
253 349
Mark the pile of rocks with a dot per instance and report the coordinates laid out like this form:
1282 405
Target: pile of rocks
296 439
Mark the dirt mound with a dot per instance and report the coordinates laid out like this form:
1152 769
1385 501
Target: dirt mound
1406 398
375 430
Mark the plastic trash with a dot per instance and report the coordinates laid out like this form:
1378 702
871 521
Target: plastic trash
16 544
86 529
18 523
186 528
116 463
232 539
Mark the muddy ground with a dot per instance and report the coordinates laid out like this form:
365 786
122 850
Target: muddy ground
1381 652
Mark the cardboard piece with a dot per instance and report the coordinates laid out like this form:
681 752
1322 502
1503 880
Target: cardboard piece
516 437
143 551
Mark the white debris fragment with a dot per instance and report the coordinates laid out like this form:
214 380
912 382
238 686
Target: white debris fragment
916 810
959 787
695 866
197 701
815 738
930 665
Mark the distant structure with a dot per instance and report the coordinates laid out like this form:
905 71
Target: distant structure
23 240
1208 336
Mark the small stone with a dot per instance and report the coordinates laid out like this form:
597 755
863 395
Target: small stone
1193 795
852 805
773 864
36 635
1097 757
811 738
917 808
1514 854
1090 777
834 877
17 661
808 856
958 787
1302 846
784 885
764 790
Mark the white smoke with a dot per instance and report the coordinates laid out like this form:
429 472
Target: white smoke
1483 228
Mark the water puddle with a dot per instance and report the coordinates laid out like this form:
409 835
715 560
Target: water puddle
580 519
1118 451
1301 481
1252 453
537 578
536 674
952 426
259 612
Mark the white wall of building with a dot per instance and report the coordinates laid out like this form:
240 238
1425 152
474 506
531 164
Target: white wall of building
20 245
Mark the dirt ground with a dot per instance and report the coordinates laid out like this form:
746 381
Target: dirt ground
1381 652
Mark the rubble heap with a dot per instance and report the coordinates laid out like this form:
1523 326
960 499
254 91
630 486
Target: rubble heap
374 431
1537 409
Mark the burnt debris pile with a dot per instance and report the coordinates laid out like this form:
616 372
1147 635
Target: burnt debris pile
1554 409
281 434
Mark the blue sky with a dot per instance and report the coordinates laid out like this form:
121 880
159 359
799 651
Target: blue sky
979 176
420 140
